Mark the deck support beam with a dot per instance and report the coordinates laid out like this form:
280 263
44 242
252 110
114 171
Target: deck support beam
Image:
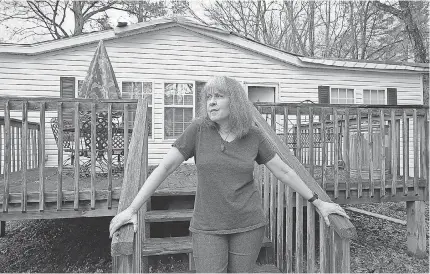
2 228
416 230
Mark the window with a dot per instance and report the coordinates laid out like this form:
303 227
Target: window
135 90
80 83
374 97
178 108
341 96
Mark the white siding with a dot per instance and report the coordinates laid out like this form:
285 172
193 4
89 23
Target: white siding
177 54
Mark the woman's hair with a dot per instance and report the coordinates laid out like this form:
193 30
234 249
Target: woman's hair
240 119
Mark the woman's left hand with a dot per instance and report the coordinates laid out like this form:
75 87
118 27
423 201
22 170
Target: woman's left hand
326 209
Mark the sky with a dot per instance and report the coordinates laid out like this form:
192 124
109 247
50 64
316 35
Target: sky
114 15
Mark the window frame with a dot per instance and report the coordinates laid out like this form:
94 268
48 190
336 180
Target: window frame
275 85
377 89
193 107
354 91
150 137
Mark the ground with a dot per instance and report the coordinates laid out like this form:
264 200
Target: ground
83 245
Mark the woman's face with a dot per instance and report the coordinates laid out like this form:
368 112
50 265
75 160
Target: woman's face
218 106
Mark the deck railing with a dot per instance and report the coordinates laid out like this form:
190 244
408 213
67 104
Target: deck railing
30 119
351 159
295 242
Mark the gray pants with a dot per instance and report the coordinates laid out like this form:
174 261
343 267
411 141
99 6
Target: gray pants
232 253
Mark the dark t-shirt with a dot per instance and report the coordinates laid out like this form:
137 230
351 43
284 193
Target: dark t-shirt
227 199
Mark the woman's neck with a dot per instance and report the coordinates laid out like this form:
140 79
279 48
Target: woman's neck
224 128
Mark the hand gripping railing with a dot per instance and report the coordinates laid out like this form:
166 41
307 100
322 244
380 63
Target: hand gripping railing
334 244
126 245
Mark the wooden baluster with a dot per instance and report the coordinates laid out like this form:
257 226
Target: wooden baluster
393 153
405 130
325 249
311 142
288 198
324 149
267 199
273 183
346 153
7 154
13 167
310 237
280 226
286 125
24 155
109 156
33 152
93 154
424 141
289 229
126 134
299 233
398 145
416 153
18 151
342 257
41 152
77 148
383 157
299 136
60 155
371 153
359 154
336 153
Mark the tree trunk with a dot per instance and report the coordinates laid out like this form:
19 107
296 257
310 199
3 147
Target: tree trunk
79 17
311 28
420 52
140 12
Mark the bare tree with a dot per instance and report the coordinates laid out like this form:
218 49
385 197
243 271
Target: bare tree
405 12
39 18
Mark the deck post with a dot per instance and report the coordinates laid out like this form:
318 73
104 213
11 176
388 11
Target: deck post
416 230
2 228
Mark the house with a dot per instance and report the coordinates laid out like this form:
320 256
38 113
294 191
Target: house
169 61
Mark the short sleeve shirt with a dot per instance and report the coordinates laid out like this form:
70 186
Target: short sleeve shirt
227 198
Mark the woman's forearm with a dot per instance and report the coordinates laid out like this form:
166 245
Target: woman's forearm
151 184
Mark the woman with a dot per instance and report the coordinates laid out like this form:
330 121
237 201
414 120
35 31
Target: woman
228 221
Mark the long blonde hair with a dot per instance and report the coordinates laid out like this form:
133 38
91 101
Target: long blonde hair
240 119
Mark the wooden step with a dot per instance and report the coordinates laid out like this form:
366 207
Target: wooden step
173 215
174 245
183 191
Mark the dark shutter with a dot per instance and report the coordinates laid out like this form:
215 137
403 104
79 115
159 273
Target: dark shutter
67 87
391 96
324 94
199 88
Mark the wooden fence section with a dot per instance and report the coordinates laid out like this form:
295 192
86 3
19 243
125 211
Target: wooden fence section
18 130
85 133
358 153
296 252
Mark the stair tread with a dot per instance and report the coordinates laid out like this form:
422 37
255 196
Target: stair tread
174 245
169 215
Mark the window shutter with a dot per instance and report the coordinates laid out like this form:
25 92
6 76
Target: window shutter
391 96
199 88
67 87
324 94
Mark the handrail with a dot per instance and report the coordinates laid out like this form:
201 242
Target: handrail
125 248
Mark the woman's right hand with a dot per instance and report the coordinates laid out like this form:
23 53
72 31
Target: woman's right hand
124 217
